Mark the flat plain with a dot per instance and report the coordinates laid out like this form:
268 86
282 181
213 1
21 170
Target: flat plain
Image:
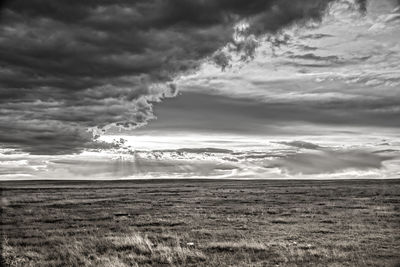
201 223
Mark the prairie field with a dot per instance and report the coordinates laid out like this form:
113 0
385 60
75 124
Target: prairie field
200 223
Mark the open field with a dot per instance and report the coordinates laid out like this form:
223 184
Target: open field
201 223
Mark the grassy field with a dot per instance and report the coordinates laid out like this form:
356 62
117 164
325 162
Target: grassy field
201 223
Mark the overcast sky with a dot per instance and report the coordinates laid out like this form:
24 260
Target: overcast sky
242 76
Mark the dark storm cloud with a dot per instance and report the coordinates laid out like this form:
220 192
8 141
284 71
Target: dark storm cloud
66 66
44 137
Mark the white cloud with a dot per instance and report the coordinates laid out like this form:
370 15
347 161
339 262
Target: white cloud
346 55
218 156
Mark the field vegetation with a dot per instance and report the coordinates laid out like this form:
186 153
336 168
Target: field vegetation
201 223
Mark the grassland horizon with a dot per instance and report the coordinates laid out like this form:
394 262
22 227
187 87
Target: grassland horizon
200 222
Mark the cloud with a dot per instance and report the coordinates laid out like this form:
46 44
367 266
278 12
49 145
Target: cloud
283 113
300 144
313 57
339 72
199 150
212 156
329 161
66 67
48 137
111 166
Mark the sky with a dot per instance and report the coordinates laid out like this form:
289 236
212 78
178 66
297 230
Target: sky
272 89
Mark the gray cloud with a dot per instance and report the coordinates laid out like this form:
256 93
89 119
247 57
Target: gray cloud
311 56
301 144
316 36
197 112
48 137
69 66
329 161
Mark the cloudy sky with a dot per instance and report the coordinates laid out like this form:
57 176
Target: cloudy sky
102 89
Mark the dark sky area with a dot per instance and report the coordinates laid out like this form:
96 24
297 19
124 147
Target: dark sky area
68 66
210 88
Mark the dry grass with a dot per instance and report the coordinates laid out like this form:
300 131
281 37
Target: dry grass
201 223
129 250
234 246
133 242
